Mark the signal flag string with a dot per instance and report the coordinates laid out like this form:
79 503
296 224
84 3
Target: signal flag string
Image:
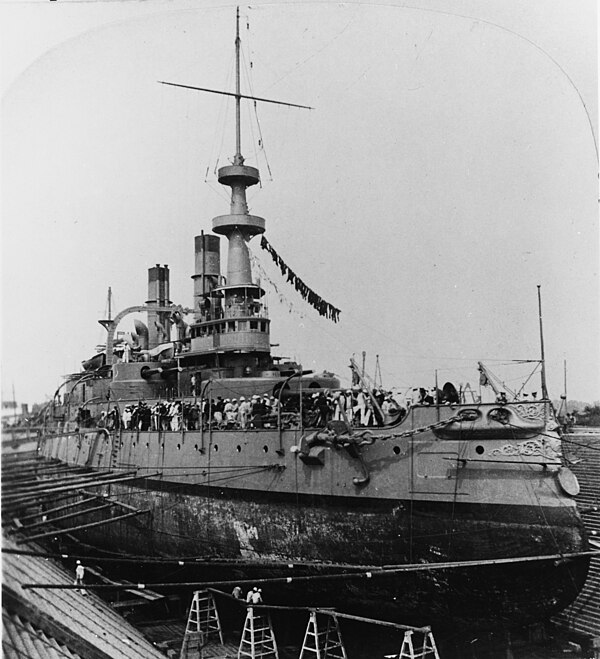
282 299
316 301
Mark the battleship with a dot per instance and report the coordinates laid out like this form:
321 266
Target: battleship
449 510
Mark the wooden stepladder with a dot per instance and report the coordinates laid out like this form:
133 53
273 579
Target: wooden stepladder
203 623
428 649
323 641
258 639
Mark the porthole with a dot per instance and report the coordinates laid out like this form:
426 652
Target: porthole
238 448
216 447
479 449
266 449
397 450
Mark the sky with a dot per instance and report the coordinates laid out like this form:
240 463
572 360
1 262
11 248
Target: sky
448 168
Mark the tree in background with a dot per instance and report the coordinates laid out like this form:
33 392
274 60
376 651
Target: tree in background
589 415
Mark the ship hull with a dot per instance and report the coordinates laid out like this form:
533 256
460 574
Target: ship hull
255 528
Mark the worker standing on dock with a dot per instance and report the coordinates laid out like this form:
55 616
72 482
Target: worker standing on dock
237 593
79 574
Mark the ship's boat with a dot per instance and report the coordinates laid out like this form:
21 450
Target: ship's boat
451 510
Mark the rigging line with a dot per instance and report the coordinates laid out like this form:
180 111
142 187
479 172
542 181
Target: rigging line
516 379
359 321
291 558
586 446
486 22
224 479
542 434
317 52
390 373
521 361
262 143
326 330
336 340
211 544
527 380
548 526
196 539
532 491
201 560
411 441
463 446
210 482
343 576
238 468
225 112
218 190
571 453
223 119
233 476
260 135
174 573
529 41
249 83
554 494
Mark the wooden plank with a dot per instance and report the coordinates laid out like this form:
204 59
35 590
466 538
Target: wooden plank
148 595
52 520
81 526
33 499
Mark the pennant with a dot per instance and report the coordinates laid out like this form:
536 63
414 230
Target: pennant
324 308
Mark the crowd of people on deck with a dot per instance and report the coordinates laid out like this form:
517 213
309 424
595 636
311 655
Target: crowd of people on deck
313 408
176 415
357 407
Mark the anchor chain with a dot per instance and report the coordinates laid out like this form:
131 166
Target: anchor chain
366 437
353 442
416 431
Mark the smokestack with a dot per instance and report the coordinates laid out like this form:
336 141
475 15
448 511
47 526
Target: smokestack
158 296
207 268
158 285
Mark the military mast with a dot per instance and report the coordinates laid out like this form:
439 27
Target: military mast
232 324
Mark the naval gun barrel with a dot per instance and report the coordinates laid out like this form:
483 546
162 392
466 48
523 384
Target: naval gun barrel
148 372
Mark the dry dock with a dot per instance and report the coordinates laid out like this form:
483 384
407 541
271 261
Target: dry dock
582 449
49 624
